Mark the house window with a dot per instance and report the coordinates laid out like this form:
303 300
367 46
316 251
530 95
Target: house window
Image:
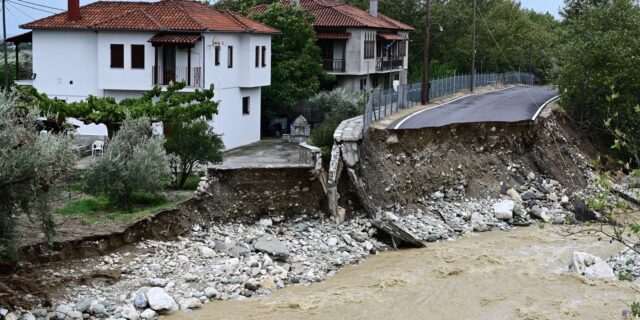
245 105
369 45
137 56
217 55
402 48
264 56
117 56
257 56
363 84
230 57
396 77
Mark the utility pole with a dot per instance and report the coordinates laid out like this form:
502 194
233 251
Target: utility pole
427 30
473 52
4 44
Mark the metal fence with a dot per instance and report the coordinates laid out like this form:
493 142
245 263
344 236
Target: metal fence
383 103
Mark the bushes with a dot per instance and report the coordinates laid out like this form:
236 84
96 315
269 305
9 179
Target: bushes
30 164
338 105
192 143
135 161
600 72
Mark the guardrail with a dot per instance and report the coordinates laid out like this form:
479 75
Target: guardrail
383 103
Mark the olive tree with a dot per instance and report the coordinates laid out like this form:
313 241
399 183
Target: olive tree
135 161
30 164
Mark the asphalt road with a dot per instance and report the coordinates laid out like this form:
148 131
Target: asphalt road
510 105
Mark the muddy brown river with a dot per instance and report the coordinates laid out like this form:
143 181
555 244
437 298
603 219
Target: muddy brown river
520 274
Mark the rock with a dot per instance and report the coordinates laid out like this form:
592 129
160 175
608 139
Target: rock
437 195
392 139
531 176
332 242
83 305
66 312
232 249
98 308
207 252
159 300
537 212
3 312
29 316
433 238
268 283
11 316
528 196
191 303
130 312
582 211
158 282
504 209
477 222
266 222
514 195
140 300
148 314
323 248
564 200
347 238
210 292
271 245
504 188
590 266
190 277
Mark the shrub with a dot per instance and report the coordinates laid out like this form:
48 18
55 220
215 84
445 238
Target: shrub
30 164
192 143
135 161
337 105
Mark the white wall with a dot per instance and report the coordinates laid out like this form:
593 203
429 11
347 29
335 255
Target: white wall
65 63
237 129
124 78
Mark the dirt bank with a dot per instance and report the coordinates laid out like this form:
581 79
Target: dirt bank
499 275
472 160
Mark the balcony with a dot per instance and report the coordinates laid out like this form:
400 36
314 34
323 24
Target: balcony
165 76
386 64
333 65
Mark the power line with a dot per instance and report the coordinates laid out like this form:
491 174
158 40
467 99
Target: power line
20 10
41 5
30 7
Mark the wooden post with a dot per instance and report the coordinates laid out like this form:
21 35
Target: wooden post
17 60
155 66
189 66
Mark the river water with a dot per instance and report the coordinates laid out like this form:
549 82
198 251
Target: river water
520 274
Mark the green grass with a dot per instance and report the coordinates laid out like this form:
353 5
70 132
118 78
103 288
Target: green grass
96 210
192 183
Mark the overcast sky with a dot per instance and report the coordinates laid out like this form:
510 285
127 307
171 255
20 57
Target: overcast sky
23 11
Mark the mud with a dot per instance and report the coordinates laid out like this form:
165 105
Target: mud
499 275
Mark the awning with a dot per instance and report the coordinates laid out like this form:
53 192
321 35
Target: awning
21 38
391 36
175 38
333 35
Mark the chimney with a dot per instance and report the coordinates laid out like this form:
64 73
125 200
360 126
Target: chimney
294 3
373 8
73 13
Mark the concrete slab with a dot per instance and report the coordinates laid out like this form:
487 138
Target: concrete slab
271 153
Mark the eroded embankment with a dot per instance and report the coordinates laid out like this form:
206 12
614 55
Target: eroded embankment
470 160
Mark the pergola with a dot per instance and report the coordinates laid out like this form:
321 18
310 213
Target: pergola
17 40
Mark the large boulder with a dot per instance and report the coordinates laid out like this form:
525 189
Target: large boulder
590 266
477 222
271 245
503 210
159 300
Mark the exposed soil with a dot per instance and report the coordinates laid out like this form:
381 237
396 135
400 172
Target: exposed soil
476 157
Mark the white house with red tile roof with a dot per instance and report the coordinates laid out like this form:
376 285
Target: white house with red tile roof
121 49
364 50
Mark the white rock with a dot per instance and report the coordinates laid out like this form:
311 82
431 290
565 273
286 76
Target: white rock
266 222
3 312
66 312
98 308
159 300
514 195
148 314
130 312
504 209
206 252
29 316
158 282
11 316
191 303
140 300
332 242
477 222
210 292
190 277
590 266
531 176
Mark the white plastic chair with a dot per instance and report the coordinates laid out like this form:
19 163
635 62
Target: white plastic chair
97 146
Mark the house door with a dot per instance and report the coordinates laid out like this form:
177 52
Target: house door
169 64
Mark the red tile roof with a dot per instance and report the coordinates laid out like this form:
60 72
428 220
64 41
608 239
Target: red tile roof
391 36
333 35
165 15
175 38
334 13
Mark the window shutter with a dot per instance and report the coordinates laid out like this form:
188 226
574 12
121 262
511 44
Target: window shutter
257 56
117 56
217 55
264 56
137 56
230 57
